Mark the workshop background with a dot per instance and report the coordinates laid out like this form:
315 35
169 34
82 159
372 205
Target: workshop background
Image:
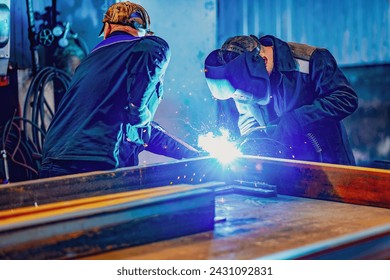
356 32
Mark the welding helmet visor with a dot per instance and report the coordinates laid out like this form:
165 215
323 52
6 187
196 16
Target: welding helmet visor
244 78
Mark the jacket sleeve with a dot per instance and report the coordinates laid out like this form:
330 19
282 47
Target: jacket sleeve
335 97
146 67
163 143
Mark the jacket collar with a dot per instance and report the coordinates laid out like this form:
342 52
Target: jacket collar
283 58
115 37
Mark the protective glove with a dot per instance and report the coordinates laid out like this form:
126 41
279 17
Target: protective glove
288 130
138 135
163 143
138 117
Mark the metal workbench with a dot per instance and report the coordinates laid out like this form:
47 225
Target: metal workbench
256 208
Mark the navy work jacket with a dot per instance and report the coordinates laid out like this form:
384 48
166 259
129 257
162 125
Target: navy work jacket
106 114
310 96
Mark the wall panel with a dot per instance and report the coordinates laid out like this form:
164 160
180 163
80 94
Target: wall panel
356 32
358 35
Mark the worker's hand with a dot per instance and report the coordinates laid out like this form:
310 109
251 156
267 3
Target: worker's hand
138 117
287 129
265 147
138 135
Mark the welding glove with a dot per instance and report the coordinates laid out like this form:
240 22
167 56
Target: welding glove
287 130
138 117
138 135
163 143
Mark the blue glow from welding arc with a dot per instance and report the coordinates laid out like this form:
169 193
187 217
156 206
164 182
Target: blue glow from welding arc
219 146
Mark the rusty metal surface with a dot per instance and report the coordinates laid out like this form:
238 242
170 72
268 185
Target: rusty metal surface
42 191
315 202
94 225
256 227
369 244
350 184
358 185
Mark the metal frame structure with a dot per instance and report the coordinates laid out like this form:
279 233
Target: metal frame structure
90 214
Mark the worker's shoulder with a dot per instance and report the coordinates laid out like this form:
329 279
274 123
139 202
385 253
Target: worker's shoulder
302 54
301 51
153 41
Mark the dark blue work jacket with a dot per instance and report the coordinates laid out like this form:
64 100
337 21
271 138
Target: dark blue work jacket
310 96
106 114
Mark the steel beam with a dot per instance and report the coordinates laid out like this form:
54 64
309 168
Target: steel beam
81 227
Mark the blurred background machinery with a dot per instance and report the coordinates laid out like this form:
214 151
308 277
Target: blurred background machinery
31 89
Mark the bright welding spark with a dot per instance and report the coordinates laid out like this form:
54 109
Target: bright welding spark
219 147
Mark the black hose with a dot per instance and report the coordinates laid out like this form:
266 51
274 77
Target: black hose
35 97
18 153
25 154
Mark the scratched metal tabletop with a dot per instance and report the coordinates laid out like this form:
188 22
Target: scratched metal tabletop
250 227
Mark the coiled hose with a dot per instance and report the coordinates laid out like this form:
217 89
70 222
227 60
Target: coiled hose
21 147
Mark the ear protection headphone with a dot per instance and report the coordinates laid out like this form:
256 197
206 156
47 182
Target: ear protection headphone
136 25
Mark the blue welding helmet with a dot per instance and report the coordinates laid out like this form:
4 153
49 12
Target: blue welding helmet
244 78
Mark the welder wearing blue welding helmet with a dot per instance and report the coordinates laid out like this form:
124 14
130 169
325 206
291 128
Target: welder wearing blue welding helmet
290 97
232 72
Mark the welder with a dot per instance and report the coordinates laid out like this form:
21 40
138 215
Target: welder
291 98
105 118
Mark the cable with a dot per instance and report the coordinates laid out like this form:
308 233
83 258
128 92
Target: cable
4 151
35 98
19 152
24 163
22 142
22 145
